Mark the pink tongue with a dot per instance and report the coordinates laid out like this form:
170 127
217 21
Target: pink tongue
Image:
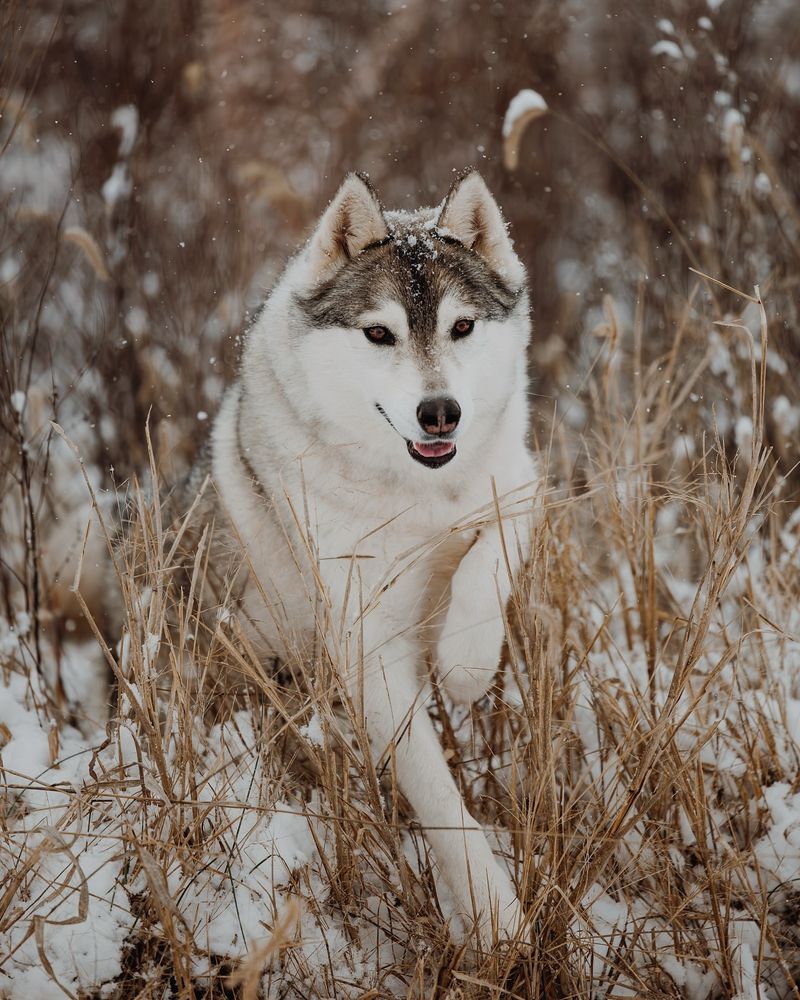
435 450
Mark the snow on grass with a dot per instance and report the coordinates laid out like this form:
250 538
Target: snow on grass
525 103
72 893
75 866
201 839
313 731
118 186
525 107
126 120
667 48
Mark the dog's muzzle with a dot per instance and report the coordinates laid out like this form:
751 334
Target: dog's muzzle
438 418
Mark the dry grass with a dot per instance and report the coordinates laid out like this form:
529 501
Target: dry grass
633 758
638 757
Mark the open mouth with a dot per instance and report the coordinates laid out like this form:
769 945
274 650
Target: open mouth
433 454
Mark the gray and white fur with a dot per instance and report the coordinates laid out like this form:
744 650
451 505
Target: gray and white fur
383 387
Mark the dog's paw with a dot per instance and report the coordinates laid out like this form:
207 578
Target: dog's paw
468 653
478 895
506 921
494 913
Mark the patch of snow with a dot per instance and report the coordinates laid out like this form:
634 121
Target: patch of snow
118 186
667 48
136 321
313 731
9 268
83 933
762 184
151 283
88 915
150 648
10 634
791 79
786 416
524 102
743 433
18 400
732 126
683 447
126 119
39 179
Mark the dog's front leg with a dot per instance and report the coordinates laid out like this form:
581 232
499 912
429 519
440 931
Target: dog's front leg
472 636
387 684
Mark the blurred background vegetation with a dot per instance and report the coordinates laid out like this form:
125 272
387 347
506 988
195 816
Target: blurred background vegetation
161 161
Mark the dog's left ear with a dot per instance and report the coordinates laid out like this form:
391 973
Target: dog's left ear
473 217
351 222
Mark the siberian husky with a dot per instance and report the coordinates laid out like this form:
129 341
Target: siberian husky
381 402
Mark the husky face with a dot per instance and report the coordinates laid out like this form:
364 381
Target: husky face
415 322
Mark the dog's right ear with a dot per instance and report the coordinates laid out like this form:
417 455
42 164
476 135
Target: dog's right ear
473 217
351 222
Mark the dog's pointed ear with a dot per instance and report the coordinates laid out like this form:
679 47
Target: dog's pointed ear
472 216
351 222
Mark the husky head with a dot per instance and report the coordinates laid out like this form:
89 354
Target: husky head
416 321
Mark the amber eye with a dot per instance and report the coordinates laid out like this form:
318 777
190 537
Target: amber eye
379 335
463 328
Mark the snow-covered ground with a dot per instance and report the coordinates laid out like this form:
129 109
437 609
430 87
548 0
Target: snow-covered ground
124 848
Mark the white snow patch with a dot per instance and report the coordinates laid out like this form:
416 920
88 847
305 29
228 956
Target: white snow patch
9 269
786 416
118 186
732 126
313 731
525 101
136 321
667 48
18 400
150 648
743 431
126 119
151 283
791 79
762 184
87 914
683 448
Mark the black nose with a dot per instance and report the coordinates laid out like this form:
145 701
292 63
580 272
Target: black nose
438 416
